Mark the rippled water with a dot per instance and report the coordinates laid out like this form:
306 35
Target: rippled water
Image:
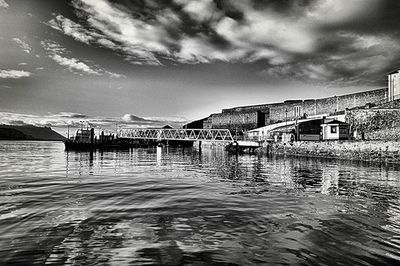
174 206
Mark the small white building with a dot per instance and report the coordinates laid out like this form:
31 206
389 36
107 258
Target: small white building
394 85
335 130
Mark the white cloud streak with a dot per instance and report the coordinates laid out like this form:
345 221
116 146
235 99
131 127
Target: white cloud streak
56 52
14 74
3 4
23 45
70 28
74 64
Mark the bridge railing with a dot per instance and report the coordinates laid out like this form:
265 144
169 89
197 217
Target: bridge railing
176 134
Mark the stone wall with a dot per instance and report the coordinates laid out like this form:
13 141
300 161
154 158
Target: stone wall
389 105
323 106
249 108
279 112
375 151
207 124
238 121
375 124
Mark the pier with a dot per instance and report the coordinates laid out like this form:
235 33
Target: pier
210 135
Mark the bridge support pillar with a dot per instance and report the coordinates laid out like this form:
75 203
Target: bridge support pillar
199 145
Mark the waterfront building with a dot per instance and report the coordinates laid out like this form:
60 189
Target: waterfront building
247 118
259 120
335 130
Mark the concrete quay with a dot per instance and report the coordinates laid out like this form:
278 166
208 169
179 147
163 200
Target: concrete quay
369 151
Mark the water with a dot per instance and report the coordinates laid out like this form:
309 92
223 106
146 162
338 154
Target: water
175 206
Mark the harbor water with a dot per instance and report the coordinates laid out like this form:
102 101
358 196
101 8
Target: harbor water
175 206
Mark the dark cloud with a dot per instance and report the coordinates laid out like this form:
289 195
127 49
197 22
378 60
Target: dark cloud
284 6
229 10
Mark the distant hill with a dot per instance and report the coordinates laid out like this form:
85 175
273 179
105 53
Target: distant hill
28 132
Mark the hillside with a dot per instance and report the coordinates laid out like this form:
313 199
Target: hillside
8 132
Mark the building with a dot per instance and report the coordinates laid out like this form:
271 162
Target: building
195 124
239 121
309 130
394 85
246 118
335 130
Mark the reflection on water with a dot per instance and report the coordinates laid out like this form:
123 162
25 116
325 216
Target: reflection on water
180 206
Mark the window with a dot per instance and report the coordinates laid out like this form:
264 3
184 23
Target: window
333 129
297 111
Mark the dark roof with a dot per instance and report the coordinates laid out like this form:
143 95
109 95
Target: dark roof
335 122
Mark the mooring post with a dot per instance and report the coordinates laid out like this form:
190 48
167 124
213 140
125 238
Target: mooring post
237 147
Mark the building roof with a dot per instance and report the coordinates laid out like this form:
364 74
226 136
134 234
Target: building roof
335 122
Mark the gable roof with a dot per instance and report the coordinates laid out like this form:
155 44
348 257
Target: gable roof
335 122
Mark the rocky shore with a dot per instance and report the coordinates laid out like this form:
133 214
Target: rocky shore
370 151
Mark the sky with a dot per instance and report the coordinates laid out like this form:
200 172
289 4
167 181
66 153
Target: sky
176 60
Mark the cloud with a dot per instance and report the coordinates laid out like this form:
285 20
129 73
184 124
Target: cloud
14 74
199 10
74 64
362 59
115 75
323 36
3 4
77 120
70 28
23 45
131 118
71 115
169 119
56 52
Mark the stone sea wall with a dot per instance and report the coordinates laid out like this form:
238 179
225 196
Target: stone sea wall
330 105
371 151
375 124
239 121
291 109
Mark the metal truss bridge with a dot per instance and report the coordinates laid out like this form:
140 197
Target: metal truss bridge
177 134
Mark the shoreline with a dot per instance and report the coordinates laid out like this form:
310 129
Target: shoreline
383 152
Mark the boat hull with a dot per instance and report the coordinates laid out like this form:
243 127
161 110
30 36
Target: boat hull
70 145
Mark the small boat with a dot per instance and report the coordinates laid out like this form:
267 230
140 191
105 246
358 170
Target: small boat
85 139
234 148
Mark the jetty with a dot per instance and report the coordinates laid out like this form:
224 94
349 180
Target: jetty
195 135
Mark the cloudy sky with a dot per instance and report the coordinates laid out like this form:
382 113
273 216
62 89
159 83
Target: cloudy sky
187 58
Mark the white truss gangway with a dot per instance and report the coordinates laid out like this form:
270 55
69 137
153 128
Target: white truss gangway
177 134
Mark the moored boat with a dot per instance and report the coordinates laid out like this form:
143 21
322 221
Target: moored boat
85 139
